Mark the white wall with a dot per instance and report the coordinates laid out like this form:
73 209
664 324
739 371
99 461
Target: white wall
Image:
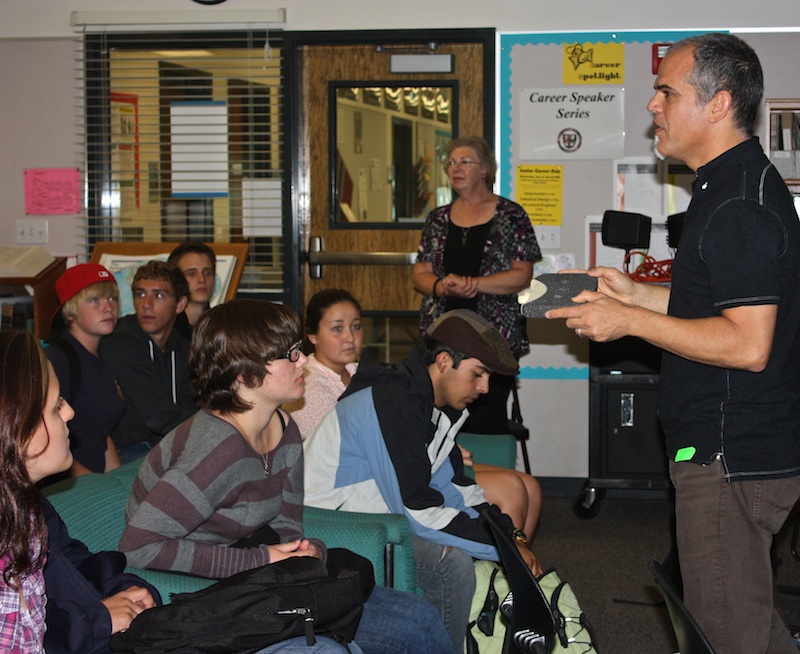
50 18
39 127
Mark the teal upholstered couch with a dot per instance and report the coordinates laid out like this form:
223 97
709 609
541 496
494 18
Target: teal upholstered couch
93 508
494 449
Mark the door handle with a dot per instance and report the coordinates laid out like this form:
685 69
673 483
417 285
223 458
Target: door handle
317 257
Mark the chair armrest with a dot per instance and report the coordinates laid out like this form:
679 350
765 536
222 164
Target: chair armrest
491 449
360 534
92 507
369 534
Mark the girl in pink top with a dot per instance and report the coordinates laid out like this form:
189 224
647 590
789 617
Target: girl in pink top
333 328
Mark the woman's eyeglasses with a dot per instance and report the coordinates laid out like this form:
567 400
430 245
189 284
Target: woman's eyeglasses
294 352
464 162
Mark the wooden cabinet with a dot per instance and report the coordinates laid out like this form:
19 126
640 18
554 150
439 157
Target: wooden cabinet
43 288
782 140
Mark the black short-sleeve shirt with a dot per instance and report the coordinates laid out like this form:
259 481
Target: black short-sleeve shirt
740 246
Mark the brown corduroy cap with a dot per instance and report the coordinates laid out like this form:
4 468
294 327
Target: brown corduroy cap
468 333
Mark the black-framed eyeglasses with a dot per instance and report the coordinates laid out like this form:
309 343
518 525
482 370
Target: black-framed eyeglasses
451 163
294 352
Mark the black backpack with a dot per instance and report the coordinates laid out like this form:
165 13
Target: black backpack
251 610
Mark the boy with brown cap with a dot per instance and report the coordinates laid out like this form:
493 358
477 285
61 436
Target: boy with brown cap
389 447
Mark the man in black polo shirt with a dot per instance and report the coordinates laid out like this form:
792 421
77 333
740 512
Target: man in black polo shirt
729 327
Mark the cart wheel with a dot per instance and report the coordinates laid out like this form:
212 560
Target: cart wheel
587 505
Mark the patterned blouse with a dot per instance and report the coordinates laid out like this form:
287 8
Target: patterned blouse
511 237
22 614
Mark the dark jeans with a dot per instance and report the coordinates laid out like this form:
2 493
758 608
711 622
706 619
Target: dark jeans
395 622
128 453
724 533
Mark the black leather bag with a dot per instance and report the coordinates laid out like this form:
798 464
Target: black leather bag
253 609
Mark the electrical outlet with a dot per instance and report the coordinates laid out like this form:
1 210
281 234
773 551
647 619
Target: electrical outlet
548 236
32 231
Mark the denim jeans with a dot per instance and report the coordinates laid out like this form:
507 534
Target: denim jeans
447 578
724 533
395 622
298 645
128 453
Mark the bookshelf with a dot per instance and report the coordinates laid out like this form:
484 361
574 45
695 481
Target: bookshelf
42 287
782 142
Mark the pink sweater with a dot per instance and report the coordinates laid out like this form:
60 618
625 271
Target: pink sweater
323 389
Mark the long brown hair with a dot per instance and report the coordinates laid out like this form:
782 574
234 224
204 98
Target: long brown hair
24 379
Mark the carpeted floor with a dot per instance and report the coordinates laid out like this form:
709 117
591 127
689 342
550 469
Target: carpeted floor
605 559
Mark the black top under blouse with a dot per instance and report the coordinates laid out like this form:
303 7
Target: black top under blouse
463 252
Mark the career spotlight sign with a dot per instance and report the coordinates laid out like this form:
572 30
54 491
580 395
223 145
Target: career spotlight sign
585 118
572 123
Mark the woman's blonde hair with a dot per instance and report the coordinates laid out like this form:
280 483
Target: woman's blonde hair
482 149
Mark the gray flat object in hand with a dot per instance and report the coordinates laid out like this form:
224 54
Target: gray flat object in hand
553 291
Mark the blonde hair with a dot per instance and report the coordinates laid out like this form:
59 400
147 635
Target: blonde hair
99 289
481 148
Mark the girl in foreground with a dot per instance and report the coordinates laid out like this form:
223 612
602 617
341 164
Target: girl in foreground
88 596
34 443
223 492
333 328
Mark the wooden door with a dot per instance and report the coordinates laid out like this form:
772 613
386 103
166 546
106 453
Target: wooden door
379 288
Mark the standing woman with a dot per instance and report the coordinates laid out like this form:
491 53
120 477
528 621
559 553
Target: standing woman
89 300
477 253
33 445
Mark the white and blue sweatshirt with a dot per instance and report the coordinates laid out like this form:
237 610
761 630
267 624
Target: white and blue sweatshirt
385 448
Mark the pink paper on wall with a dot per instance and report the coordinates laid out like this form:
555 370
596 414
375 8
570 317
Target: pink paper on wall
52 191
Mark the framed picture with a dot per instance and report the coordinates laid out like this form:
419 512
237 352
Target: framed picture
123 259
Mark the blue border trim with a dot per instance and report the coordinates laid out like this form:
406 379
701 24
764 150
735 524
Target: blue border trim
504 154
580 373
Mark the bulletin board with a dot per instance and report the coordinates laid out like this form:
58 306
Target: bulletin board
591 143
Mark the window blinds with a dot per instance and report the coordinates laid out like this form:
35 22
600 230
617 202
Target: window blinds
182 138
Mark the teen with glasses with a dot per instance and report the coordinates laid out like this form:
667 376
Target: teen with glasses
223 492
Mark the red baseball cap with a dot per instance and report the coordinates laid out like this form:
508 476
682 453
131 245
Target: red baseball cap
74 280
